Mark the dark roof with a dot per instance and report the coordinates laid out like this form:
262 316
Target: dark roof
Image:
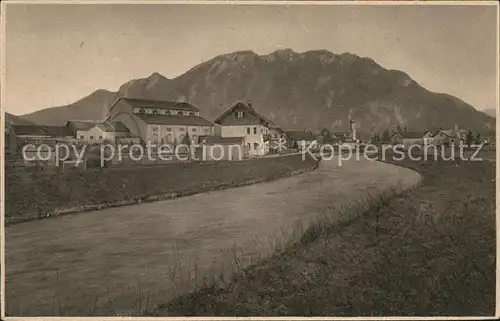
118 127
250 109
299 135
174 120
107 126
447 132
221 140
340 134
38 130
158 104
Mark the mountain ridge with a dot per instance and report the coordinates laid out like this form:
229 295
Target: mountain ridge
313 89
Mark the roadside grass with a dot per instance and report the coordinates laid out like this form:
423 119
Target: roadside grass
429 251
36 195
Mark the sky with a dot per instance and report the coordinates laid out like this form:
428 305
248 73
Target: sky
57 54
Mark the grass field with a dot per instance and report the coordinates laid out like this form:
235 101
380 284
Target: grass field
38 195
426 252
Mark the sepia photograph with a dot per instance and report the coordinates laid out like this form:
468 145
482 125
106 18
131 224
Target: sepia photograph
267 159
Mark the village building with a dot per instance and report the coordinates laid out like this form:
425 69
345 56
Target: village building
160 122
97 131
441 137
36 142
300 139
348 137
243 121
411 138
450 136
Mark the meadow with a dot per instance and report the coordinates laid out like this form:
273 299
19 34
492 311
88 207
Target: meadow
33 195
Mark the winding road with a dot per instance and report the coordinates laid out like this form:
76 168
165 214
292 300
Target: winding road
119 260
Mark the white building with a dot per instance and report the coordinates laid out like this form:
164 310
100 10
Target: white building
243 121
161 122
97 131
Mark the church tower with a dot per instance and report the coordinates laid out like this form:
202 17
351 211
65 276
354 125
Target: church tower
352 129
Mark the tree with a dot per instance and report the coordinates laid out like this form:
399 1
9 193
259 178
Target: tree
385 136
405 129
477 139
469 138
326 136
186 140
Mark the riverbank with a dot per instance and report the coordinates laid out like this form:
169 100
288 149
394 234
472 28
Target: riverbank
30 196
429 251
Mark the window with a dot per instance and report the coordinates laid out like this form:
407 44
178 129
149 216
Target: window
168 112
155 112
169 129
207 129
193 129
100 137
91 137
255 130
170 140
248 130
142 111
240 114
192 113
82 137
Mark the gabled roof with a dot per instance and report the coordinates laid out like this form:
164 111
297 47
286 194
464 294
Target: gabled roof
106 126
298 135
411 135
248 109
221 140
447 132
45 131
174 120
82 124
157 104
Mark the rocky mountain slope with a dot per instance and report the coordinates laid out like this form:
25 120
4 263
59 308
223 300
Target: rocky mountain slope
313 90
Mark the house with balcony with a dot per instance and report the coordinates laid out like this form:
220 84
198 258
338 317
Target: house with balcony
243 121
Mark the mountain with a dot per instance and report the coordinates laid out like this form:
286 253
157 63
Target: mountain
490 112
313 90
14 120
93 106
